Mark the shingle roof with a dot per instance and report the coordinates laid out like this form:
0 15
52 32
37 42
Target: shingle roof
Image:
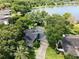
5 12
72 39
2 17
69 44
30 34
33 33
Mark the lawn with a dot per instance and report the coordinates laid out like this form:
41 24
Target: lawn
51 54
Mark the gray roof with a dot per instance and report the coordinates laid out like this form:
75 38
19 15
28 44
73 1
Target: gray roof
72 40
4 15
5 12
69 44
30 34
34 33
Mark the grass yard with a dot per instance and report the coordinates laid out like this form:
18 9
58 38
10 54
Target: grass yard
51 54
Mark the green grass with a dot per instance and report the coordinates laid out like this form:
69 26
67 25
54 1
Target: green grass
51 54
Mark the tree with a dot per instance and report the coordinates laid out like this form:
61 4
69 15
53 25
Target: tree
21 6
7 49
9 32
22 51
76 28
23 23
67 15
56 27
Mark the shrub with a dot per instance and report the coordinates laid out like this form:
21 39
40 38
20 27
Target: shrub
70 57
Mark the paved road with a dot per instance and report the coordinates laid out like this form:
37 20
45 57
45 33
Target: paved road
42 50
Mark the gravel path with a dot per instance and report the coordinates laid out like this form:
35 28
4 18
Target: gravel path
42 50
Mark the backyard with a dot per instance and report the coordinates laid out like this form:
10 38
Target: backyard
51 54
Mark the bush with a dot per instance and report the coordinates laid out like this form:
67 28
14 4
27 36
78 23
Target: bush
7 49
37 44
31 54
70 57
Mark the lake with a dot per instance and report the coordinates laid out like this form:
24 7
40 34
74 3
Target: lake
74 10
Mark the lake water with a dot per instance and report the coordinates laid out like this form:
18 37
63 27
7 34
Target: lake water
74 10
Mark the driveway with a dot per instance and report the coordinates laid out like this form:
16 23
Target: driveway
42 49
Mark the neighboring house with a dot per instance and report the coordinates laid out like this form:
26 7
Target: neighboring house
4 16
32 34
70 44
71 2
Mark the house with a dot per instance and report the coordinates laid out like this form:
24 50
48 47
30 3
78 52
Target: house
70 44
32 34
71 2
4 16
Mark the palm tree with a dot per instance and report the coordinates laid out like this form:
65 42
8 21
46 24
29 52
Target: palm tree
21 53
